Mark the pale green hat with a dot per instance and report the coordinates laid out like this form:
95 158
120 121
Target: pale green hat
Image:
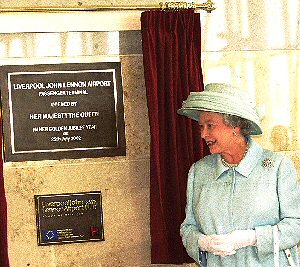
222 98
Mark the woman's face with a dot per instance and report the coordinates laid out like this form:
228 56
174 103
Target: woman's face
218 136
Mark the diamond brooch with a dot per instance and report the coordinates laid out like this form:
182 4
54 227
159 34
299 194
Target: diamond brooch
267 163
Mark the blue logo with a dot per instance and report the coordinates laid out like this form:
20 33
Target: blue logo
50 235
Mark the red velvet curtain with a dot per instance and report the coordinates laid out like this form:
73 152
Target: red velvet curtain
3 214
172 67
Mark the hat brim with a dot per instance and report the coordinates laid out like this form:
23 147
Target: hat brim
194 113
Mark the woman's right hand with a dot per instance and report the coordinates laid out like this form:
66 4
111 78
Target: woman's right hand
227 244
216 244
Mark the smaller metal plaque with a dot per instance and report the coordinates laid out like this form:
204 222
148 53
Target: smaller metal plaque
66 218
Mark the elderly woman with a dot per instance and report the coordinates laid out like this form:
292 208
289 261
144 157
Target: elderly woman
241 193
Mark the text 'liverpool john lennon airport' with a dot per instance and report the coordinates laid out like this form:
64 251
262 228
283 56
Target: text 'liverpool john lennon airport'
58 85
63 115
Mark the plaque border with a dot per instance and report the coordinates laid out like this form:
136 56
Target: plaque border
39 233
61 153
10 103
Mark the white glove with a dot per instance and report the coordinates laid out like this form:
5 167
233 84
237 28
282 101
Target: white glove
215 245
242 238
225 245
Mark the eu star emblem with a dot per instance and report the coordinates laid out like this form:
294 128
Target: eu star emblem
50 235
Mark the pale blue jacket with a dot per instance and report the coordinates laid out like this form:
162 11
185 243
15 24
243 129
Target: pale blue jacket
260 192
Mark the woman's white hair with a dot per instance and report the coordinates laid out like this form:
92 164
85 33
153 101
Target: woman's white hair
236 121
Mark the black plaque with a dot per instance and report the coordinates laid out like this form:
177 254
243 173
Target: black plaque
67 218
62 111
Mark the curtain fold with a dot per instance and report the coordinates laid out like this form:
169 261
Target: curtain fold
4 262
172 67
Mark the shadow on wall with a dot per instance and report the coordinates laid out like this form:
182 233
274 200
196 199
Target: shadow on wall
280 138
